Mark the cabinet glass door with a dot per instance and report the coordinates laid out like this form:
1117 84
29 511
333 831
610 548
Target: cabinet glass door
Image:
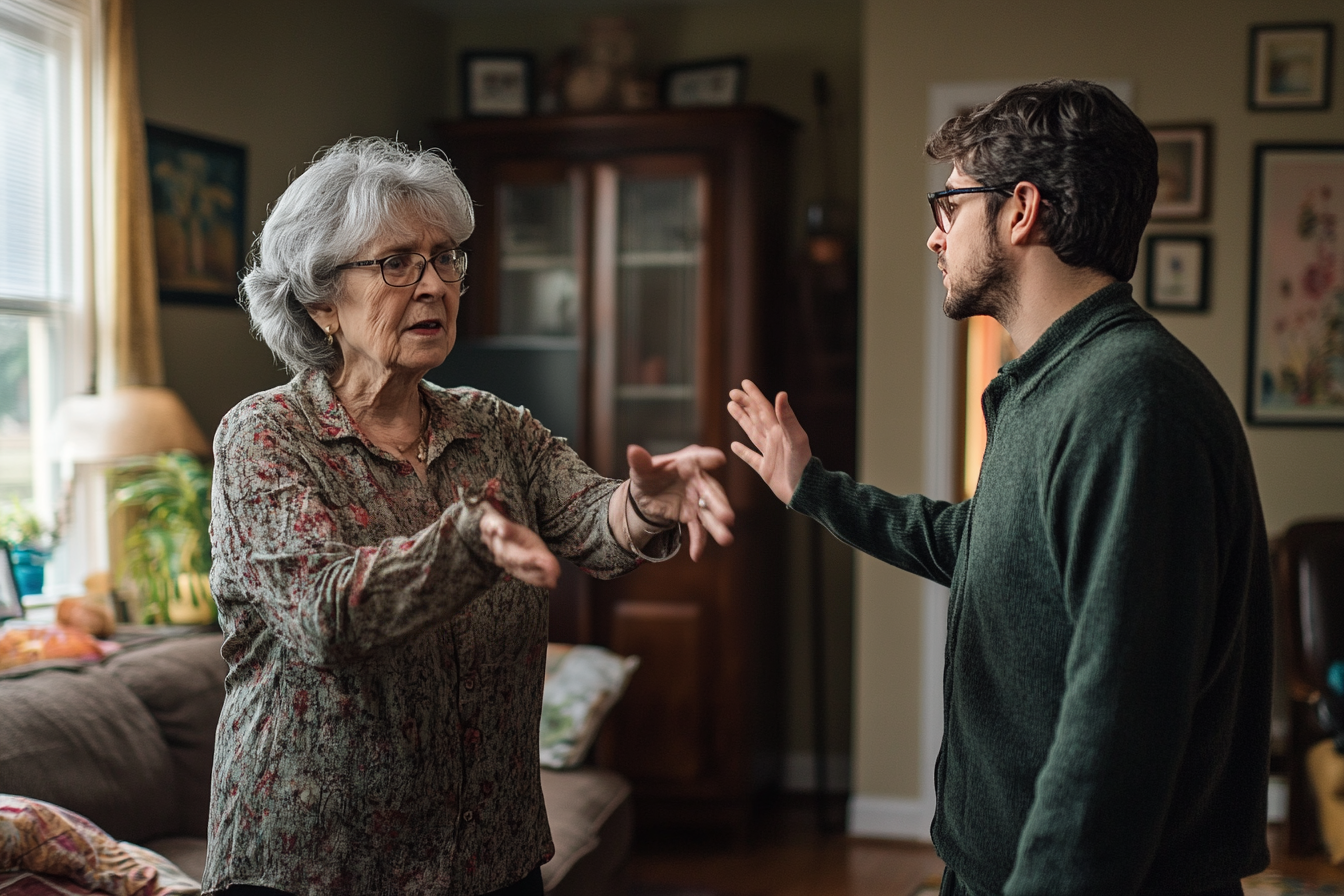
539 283
658 287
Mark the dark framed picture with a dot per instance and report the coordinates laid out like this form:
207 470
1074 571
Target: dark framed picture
1184 156
714 82
496 84
198 188
11 607
1290 66
1178 273
1295 374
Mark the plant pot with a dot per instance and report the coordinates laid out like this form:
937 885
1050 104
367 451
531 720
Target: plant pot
29 569
192 603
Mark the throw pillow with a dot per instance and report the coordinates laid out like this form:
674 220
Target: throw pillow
46 840
583 683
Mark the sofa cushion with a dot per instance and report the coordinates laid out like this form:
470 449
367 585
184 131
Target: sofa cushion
589 812
181 683
82 740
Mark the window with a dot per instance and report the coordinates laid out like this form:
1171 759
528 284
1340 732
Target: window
46 56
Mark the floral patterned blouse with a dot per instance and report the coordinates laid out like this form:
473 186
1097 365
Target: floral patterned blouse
380 725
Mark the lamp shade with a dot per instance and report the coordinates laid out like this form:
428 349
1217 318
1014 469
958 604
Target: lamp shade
130 421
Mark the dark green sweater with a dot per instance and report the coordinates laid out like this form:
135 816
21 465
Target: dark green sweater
1108 661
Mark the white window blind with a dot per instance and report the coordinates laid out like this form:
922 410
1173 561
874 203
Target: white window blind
46 102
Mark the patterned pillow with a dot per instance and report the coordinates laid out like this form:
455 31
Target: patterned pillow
583 683
53 850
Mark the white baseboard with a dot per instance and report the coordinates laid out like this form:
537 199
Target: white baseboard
800 773
889 817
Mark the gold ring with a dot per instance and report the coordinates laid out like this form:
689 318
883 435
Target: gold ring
703 504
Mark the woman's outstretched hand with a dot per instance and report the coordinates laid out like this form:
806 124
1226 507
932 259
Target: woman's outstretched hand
782 450
677 487
518 550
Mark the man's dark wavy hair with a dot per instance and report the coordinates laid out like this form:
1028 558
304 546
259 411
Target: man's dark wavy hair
1087 153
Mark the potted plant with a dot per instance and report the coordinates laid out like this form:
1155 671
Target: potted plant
167 547
30 540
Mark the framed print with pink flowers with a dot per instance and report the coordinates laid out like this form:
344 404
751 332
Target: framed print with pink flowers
1296 364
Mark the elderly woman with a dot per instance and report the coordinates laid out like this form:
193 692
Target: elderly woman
382 550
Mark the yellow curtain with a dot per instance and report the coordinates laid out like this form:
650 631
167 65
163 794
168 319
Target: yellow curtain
129 353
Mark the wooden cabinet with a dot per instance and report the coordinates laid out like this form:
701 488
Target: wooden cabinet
627 270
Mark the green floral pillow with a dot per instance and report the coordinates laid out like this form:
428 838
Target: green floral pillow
583 683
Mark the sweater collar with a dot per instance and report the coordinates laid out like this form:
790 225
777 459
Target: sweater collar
1112 304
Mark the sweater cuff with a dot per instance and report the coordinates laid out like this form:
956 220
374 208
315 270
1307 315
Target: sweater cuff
812 488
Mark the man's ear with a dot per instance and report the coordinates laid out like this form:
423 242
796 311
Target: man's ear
1024 208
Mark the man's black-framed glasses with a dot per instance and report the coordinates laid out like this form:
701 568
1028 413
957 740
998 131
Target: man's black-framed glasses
406 268
944 210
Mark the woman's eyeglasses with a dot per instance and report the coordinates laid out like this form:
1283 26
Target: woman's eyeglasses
407 268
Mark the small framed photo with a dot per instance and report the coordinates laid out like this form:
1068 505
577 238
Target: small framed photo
714 82
198 191
496 84
1184 153
1290 66
11 606
1178 273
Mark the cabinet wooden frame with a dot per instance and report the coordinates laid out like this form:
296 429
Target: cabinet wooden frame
700 728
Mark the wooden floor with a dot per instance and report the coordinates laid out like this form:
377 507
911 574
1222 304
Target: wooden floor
784 855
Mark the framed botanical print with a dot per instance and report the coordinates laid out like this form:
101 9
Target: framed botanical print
1296 364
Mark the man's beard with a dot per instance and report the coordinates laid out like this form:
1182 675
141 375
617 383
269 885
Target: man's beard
988 288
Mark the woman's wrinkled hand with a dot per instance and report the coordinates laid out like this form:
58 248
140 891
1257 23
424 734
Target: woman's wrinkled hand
518 550
677 487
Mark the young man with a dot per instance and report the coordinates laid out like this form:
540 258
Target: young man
1108 659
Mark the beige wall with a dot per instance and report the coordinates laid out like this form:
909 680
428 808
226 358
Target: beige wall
1187 62
284 79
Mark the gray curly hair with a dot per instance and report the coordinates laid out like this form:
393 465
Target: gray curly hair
354 192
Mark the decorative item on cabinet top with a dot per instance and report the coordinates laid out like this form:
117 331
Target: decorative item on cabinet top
496 83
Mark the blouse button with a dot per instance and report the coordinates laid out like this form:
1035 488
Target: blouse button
467 816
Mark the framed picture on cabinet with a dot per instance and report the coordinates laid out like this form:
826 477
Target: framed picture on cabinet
714 82
1178 273
1295 374
198 192
496 84
1183 156
1290 66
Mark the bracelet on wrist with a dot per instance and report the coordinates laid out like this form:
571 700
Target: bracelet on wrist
630 540
658 527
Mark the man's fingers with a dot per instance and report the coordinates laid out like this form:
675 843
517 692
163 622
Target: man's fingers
752 458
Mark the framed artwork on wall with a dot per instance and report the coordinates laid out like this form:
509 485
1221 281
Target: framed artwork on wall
714 82
496 83
1184 153
198 190
1290 66
1295 374
1178 273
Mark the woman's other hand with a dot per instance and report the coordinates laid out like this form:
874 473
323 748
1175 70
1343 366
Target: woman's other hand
518 550
782 449
677 487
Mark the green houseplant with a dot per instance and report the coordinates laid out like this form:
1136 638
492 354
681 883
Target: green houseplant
167 547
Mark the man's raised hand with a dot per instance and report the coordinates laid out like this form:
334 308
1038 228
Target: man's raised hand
782 449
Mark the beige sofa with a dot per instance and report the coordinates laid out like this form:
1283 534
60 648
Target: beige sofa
128 743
